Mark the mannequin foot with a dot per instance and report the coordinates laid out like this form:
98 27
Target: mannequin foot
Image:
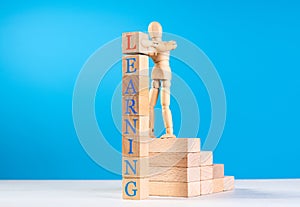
168 136
169 133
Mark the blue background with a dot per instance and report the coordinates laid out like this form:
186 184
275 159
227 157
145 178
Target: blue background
253 44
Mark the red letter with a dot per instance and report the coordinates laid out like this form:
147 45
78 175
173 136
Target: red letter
128 43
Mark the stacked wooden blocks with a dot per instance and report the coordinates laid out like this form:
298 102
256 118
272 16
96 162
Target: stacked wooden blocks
158 167
178 168
174 167
135 117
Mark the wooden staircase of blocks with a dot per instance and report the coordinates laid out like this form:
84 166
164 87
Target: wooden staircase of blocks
178 168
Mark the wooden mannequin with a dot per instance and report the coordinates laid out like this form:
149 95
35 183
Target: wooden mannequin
161 76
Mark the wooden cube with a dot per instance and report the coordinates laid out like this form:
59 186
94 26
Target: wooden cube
135 105
175 159
174 174
135 127
134 85
206 172
218 185
174 189
218 170
132 43
206 187
175 145
228 183
135 65
135 167
134 148
135 189
206 158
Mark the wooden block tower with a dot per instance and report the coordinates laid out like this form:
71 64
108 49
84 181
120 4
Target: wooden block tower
135 117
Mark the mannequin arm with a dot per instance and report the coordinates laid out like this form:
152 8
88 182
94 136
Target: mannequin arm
150 47
158 46
165 46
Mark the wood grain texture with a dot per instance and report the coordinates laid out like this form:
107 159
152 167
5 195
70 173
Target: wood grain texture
175 145
174 174
133 148
206 172
218 185
218 170
206 187
228 183
135 65
206 158
135 189
135 41
174 189
134 85
136 127
135 105
135 167
176 159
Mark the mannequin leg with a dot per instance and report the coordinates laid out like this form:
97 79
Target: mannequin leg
166 112
153 96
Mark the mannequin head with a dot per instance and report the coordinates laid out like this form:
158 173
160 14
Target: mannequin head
155 30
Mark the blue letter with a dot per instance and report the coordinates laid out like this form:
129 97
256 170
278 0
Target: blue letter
130 106
130 83
130 146
130 65
133 169
133 128
133 190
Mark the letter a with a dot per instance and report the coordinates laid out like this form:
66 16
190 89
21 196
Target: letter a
130 87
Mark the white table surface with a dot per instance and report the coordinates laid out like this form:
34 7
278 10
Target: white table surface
108 193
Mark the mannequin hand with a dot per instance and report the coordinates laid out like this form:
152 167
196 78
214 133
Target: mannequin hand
172 45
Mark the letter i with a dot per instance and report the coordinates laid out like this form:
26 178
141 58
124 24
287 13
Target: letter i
130 146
